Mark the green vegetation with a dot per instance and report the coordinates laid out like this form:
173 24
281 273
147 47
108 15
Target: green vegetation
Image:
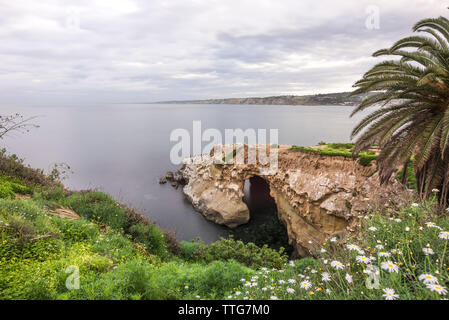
247 254
407 247
36 248
10 186
118 254
411 119
342 150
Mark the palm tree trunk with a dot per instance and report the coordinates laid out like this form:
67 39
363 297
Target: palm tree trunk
404 173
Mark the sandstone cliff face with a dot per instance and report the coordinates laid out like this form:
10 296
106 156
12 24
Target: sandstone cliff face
317 196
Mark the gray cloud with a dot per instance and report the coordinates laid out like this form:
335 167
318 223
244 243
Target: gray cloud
103 51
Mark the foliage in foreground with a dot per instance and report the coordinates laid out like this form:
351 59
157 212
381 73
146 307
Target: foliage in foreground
111 264
401 255
118 253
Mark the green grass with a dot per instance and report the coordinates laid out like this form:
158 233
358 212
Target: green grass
342 150
97 206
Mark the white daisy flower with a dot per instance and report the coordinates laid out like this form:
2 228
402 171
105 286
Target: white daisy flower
337 265
363 259
305 284
435 190
264 289
407 229
291 263
431 225
390 266
437 288
353 247
427 251
273 298
281 281
325 277
389 294
415 205
237 293
313 271
397 220
348 278
428 279
396 251
444 235
323 250
372 229
334 239
290 290
291 281
379 247
384 254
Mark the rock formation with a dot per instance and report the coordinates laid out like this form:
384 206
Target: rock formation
317 196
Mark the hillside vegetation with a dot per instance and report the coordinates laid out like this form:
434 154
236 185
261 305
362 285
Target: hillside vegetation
116 253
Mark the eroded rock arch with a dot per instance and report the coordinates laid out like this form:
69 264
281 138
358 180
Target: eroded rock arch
317 196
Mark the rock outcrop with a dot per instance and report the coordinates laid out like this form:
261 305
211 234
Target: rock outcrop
317 196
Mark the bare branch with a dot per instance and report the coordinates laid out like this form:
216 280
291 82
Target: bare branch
17 123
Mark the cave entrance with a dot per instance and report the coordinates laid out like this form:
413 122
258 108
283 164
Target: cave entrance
264 226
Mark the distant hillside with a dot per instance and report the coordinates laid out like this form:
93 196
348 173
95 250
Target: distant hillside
341 98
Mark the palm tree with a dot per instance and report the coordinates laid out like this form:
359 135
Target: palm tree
411 120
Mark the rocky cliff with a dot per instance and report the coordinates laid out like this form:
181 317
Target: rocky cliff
317 196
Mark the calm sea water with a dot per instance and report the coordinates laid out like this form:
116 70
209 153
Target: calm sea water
124 149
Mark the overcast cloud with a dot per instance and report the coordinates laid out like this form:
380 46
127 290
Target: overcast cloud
104 51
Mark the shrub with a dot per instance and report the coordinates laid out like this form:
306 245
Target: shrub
9 186
12 166
77 230
97 206
151 237
229 249
192 250
172 243
51 194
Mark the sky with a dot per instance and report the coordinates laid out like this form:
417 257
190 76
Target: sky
131 51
